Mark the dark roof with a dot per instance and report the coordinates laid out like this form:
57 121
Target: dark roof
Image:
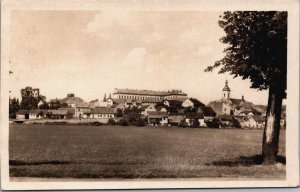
148 92
58 112
226 117
235 101
216 106
196 102
194 115
207 110
70 110
259 118
102 110
157 114
160 107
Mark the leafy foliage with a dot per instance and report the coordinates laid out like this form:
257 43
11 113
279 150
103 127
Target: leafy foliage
257 47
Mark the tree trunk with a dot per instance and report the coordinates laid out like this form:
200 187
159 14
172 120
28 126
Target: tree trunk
272 126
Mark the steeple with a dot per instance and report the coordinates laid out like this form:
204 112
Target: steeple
226 90
104 99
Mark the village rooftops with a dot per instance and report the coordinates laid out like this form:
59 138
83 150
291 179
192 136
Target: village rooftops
149 92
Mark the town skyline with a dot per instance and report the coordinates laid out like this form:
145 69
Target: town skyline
106 50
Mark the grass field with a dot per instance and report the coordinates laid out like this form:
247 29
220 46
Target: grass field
137 152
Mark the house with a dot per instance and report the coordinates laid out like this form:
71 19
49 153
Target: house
102 113
162 109
58 114
194 119
247 111
227 120
227 105
208 113
175 119
192 103
146 109
253 121
71 100
30 114
71 111
82 110
157 118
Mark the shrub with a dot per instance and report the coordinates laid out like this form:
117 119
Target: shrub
140 122
183 123
96 123
215 123
111 121
123 122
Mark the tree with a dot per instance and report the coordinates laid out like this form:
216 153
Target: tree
29 103
14 107
257 50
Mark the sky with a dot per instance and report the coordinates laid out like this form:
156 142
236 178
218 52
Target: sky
89 53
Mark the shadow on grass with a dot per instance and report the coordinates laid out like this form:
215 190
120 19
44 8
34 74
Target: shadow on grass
245 161
22 163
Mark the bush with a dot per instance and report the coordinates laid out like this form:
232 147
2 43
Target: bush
183 123
96 123
140 122
215 123
111 121
123 122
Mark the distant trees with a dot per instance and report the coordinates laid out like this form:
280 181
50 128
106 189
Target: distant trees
14 107
257 50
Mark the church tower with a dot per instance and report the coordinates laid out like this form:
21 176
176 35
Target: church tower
226 91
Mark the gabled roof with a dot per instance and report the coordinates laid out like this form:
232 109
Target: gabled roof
102 110
196 102
259 118
207 110
161 107
146 106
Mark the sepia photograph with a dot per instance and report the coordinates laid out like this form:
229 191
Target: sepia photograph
149 94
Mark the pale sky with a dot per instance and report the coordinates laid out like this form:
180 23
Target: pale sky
90 53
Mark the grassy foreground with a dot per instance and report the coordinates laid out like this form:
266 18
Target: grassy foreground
137 152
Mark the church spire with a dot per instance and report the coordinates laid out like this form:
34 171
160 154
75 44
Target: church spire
226 90
104 99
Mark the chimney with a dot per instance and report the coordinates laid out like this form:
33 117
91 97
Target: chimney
242 97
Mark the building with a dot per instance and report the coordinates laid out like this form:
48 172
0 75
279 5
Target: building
30 114
208 113
82 110
148 94
146 109
71 100
157 118
253 121
102 113
30 92
227 105
175 120
192 103
194 119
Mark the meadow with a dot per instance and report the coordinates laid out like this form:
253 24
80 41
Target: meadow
70 151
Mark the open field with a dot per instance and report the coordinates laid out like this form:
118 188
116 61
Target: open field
137 152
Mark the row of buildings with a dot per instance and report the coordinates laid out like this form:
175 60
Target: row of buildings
158 108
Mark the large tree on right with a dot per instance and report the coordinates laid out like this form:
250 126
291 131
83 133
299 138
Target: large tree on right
257 50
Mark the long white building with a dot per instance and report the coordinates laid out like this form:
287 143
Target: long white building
148 94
